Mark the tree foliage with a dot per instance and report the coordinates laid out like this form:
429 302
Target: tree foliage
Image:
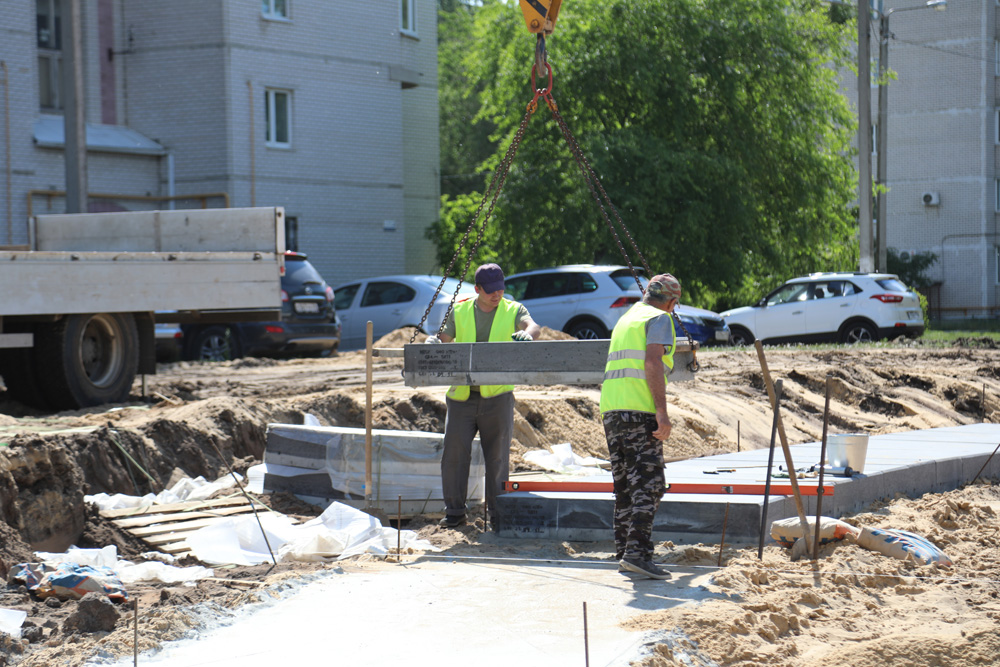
715 126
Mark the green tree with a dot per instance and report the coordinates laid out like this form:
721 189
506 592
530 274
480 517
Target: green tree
715 126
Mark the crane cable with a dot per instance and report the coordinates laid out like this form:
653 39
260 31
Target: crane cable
541 65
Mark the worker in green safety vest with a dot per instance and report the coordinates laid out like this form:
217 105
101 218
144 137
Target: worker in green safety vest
488 410
634 412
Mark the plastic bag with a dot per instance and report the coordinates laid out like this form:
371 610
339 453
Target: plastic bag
786 531
902 545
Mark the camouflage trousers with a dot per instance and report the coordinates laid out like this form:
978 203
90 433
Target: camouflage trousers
637 469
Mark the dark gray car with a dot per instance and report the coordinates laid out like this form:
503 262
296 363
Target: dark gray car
308 325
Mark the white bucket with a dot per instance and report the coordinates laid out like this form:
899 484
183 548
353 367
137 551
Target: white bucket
847 450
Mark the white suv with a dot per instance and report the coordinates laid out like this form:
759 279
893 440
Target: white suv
587 300
842 307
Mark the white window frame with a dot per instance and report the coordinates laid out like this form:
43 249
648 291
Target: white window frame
50 60
997 202
874 138
408 17
270 10
996 126
997 249
271 100
996 56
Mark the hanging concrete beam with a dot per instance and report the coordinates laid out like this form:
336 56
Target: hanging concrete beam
534 363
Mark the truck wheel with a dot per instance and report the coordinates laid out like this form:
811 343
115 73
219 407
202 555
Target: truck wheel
87 360
215 343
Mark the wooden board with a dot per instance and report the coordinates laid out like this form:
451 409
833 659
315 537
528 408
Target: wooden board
166 527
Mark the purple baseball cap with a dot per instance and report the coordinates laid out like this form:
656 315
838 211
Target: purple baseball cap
490 278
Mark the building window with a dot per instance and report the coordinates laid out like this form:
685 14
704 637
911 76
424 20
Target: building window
996 126
278 118
997 207
291 233
996 55
275 9
874 139
408 17
997 253
48 22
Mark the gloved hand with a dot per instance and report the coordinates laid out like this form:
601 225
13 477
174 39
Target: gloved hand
432 339
521 335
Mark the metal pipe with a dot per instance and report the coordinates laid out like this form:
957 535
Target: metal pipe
253 137
866 262
171 184
10 161
822 464
203 197
770 462
75 113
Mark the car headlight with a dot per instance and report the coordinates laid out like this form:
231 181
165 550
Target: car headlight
690 319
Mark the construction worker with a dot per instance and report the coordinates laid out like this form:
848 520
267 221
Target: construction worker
486 409
634 412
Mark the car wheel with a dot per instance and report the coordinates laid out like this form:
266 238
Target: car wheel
216 343
740 336
588 330
858 332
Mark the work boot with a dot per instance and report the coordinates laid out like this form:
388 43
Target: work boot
644 567
452 520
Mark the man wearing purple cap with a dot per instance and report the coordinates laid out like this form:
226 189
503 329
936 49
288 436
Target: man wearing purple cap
634 412
486 409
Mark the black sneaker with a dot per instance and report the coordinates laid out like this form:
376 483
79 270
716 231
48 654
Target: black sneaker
452 520
645 567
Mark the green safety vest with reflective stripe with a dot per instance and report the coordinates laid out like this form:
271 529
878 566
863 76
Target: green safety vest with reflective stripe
465 332
625 385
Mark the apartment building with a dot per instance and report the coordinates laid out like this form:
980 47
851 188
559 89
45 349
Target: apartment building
325 107
943 145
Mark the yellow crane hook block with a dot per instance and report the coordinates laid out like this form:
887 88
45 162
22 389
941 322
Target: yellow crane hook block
540 15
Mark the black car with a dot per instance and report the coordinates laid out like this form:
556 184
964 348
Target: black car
309 322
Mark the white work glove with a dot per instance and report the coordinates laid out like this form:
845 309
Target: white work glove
432 339
521 335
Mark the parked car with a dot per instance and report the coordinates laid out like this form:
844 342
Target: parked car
587 300
392 302
308 325
839 307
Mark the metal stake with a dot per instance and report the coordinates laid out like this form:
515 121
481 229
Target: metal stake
985 464
135 632
770 462
822 464
399 527
737 436
586 644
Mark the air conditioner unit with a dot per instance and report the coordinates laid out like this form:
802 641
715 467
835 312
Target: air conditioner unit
931 198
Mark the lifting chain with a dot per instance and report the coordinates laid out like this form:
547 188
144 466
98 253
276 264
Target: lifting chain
541 66
495 187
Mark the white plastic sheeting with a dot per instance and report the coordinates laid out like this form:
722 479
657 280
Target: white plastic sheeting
341 531
562 459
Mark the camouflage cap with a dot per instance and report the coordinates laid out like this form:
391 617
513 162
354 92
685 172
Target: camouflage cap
664 286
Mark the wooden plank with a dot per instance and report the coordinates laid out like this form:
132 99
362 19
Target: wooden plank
134 523
538 362
145 532
191 505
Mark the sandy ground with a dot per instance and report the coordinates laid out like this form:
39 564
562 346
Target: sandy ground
852 607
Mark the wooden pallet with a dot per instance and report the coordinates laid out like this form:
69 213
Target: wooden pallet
166 527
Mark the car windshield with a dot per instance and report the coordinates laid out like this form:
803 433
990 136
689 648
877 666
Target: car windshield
892 285
788 293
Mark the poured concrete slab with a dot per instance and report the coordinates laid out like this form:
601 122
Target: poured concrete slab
538 362
912 463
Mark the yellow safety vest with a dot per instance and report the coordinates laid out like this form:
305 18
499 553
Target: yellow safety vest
465 332
625 385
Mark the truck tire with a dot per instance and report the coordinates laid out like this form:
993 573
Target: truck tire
86 360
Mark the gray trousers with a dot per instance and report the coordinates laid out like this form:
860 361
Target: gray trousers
493 419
